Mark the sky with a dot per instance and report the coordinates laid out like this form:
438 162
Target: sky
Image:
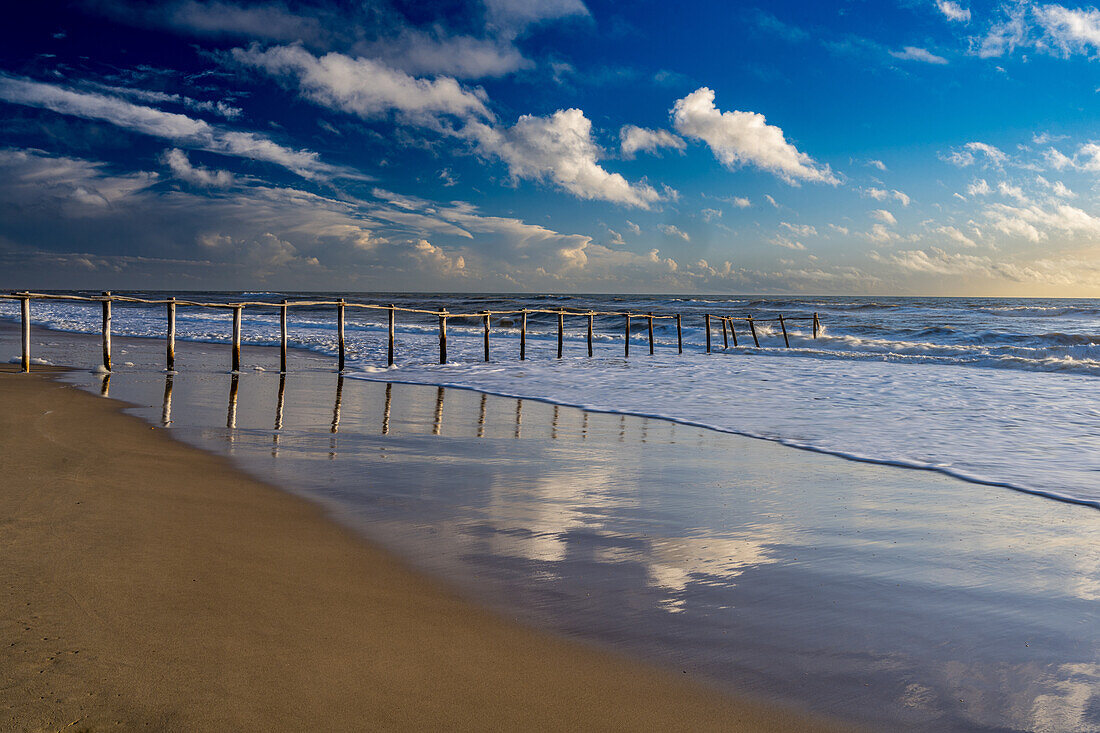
924 147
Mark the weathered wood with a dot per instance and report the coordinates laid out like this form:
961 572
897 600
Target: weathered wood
725 336
679 335
523 335
784 327
752 327
237 337
626 348
561 332
485 319
591 318
817 325
392 315
25 317
733 333
170 337
651 334
107 331
340 333
282 336
443 337
706 320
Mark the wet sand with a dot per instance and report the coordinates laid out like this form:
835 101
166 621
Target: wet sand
148 584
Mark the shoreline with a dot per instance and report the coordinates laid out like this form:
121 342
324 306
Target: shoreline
208 600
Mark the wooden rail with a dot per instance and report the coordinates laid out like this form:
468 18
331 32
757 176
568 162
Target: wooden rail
237 308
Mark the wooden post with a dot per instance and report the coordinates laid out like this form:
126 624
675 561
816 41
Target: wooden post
237 337
486 319
706 319
732 332
626 349
651 334
443 337
752 327
725 336
784 327
282 336
561 331
679 335
392 314
340 332
817 326
591 318
25 314
170 337
523 335
107 331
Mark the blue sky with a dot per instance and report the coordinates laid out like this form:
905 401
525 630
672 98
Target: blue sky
922 146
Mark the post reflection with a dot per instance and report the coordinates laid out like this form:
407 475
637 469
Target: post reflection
437 422
554 424
335 427
105 385
231 415
481 417
519 417
278 415
386 412
166 410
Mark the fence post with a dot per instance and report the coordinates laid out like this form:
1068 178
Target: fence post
752 327
651 333
443 337
590 319
340 332
725 336
733 333
107 330
706 319
626 348
486 335
561 331
282 336
25 316
679 335
170 336
237 338
392 315
523 335
784 327
816 325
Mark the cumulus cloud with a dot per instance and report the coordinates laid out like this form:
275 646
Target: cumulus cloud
1069 30
881 194
883 216
912 53
877 164
1015 192
799 230
953 11
67 186
956 236
780 241
180 129
979 187
366 87
181 168
744 138
1033 223
633 139
673 231
560 149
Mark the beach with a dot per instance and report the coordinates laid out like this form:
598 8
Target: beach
147 584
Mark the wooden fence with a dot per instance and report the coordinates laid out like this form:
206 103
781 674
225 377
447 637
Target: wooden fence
106 299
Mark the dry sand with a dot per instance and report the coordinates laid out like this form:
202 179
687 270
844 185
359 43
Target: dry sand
146 584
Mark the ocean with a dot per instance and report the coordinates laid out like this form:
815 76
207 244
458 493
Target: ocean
995 391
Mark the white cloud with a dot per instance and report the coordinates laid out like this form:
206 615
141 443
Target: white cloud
1087 158
633 227
979 187
515 15
839 229
366 87
559 148
1033 223
711 214
217 107
912 53
180 129
741 202
465 57
884 216
953 11
877 164
878 194
799 230
780 241
956 236
1011 191
182 169
738 138
903 198
67 186
673 231
959 158
771 201
632 139
1070 30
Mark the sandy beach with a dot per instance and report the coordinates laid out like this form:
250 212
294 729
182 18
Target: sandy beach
147 584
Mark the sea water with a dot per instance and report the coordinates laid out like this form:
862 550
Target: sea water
1001 392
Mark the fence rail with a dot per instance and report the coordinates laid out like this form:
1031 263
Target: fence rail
172 303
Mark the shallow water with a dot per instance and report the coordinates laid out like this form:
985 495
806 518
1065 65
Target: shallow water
887 596
994 391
